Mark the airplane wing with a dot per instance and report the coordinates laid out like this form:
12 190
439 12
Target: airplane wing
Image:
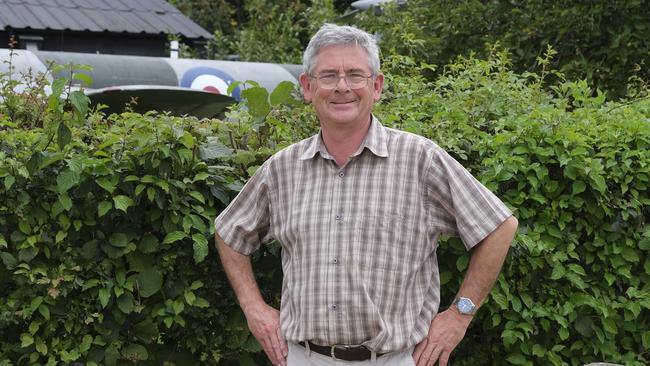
177 101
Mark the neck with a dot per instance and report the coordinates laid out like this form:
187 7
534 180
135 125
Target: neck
341 142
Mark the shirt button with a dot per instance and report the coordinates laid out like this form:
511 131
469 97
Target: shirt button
341 174
334 307
335 261
339 217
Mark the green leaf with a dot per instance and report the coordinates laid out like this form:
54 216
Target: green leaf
462 262
187 140
119 240
198 196
146 330
538 350
257 101
196 285
610 326
80 102
244 157
281 95
214 150
578 187
200 177
122 202
125 302
26 340
24 227
106 184
148 244
9 260
66 180
36 302
135 352
34 162
516 359
104 296
174 236
200 247
111 354
558 272
57 87
149 282
630 255
189 297
63 135
103 208
65 201
645 340
178 306
201 302
9 182
86 79
86 342
40 347
45 311
3 242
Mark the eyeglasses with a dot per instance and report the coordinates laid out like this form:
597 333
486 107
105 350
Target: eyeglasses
354 80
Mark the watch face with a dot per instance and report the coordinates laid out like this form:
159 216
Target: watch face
465 305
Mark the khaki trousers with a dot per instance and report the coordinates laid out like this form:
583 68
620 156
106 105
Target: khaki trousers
300 356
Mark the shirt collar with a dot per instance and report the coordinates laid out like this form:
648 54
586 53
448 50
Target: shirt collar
376 141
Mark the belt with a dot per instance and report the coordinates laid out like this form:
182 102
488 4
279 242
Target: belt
342 352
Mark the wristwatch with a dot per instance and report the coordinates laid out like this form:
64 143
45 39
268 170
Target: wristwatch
464 305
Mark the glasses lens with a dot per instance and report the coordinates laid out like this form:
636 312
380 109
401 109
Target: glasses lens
354 81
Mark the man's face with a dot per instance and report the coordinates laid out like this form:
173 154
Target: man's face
342 105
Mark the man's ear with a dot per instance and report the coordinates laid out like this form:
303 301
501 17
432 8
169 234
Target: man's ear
307 87
377 87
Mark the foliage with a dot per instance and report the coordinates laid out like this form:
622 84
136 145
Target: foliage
575 168
106 253
606 43
258 30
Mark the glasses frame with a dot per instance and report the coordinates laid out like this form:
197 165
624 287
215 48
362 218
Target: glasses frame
339 77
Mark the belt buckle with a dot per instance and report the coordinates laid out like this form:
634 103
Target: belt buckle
333 350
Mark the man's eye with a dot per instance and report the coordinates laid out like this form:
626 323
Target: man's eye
357 77
327 78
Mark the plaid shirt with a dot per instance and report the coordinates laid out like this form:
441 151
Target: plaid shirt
359 242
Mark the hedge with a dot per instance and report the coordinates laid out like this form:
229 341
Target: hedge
106 221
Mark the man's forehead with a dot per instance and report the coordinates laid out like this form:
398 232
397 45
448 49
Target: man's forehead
342 58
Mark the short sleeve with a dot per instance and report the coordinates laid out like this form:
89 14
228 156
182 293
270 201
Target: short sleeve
244 224
459 204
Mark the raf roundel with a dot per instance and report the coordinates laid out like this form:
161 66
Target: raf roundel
209 79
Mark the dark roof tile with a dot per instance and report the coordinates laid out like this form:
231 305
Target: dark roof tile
45 17
143 16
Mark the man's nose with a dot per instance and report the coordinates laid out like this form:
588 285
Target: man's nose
342 81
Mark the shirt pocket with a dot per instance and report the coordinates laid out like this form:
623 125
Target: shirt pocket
385 241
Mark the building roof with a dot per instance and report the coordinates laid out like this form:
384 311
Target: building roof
119 16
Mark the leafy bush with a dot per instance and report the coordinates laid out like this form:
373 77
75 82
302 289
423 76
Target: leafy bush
575 169
106 221
105 227
606 43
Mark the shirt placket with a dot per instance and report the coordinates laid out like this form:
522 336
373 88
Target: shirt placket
339 219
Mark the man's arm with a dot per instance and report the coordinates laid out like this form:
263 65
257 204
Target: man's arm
448 327
263 320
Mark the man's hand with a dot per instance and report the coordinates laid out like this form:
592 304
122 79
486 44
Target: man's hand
264 323
446 331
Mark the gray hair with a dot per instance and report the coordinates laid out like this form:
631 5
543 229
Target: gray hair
331 35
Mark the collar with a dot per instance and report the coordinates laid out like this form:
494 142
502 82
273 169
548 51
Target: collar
376 141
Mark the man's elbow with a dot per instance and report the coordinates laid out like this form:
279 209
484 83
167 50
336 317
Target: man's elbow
511 224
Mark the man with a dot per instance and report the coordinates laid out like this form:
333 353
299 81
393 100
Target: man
358 209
